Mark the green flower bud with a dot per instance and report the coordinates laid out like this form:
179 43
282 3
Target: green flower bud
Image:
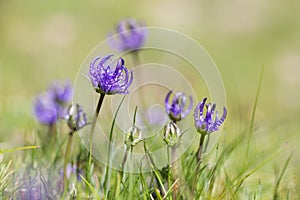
133 136
171 134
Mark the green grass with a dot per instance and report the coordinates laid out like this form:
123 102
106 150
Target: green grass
29 61
236 168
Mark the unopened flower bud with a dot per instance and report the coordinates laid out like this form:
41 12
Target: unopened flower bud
133 136
76 118
171 134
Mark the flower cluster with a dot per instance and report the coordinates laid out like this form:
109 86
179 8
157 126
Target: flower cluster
109 81
131 36
177 109
204 121
50 105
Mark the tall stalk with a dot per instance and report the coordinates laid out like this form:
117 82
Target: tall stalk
67 155
200 149
105 183
91 136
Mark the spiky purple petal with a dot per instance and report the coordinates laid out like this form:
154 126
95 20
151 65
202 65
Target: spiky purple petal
177 109
106 80
204 122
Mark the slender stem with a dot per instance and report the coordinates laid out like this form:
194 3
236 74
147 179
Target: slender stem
173 154
200 149
107 165
128 147
97 111
198 158
124 162
169 170
105 183
135 58
254 109
67 155
138 79
53 132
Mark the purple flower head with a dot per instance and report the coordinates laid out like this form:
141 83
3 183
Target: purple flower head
76 118
45 109
177 109
131 36
62 93
50 105
205 122
107 80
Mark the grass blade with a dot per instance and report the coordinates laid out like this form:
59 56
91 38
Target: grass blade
254 109
275 195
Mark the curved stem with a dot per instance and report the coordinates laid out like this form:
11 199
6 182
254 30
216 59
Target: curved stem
105 183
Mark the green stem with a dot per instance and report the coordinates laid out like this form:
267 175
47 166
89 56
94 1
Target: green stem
67 155
138 80
105 183
174 193
135 58
53 132
200 149
198 158
124 162
169 170
97 111
254 110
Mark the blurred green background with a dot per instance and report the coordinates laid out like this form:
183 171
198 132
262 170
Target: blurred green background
46 40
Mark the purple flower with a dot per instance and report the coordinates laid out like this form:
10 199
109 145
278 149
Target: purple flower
45 109
62 93
131 36
205 122
107 80
176 110
49 106
76 118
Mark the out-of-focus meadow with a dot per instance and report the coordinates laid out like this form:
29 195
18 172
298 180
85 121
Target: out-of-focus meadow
43 41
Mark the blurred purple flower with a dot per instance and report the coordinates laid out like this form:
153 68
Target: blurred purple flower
107 80
45 109
131 36
176 110
50 105
205 122
76 118
62 92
